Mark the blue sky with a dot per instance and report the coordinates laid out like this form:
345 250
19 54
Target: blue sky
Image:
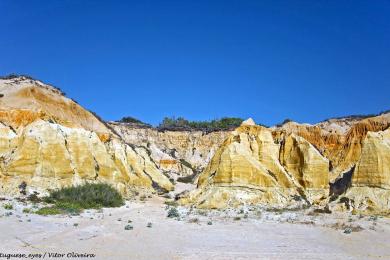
270 60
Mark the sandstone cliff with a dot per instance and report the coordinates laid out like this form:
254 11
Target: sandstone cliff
370 182
177 153
252 167
280 167
339 140
49 141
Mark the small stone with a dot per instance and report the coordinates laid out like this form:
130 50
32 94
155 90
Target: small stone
119 219
128 227
149 225
129 221
209 223
348 231
75 224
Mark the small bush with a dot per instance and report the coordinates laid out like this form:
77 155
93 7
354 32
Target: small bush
68 207
86 196
72 200
49 211
26 210
173 213
132 120
172 203
34 198
128 227
8 206
193 220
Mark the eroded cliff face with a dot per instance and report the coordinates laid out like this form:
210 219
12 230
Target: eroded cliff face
279 167
370 182
339 140
25 100
251 167
48 141
178 153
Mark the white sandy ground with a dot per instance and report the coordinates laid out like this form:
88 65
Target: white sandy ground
262 235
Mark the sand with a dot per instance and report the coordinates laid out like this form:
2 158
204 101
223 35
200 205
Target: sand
264 235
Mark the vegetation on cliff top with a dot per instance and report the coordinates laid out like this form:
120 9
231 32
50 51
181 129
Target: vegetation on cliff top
134 121
180 123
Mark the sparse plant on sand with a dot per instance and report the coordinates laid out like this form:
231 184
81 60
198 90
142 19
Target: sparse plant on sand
128 227
173 213
26 210
8 206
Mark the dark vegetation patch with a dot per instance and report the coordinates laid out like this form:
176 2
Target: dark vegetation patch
134 122
182 124
358 116
16 76
285 121
77 198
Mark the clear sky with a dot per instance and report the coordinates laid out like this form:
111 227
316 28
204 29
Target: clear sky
270 60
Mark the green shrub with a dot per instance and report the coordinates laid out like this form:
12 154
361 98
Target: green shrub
172 203
129 119
49 211
72 200
173 213
87 196
26 210
8 206
180 123
128 227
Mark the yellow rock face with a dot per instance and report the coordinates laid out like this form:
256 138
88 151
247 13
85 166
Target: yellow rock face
248 157
49 141
305 163
179 153
339 140
370 189
26 100
373 168
247 169
51 156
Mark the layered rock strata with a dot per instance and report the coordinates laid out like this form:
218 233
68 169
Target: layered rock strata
48 141
252 167
180 154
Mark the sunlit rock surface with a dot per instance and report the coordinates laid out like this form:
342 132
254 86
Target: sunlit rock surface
48 141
